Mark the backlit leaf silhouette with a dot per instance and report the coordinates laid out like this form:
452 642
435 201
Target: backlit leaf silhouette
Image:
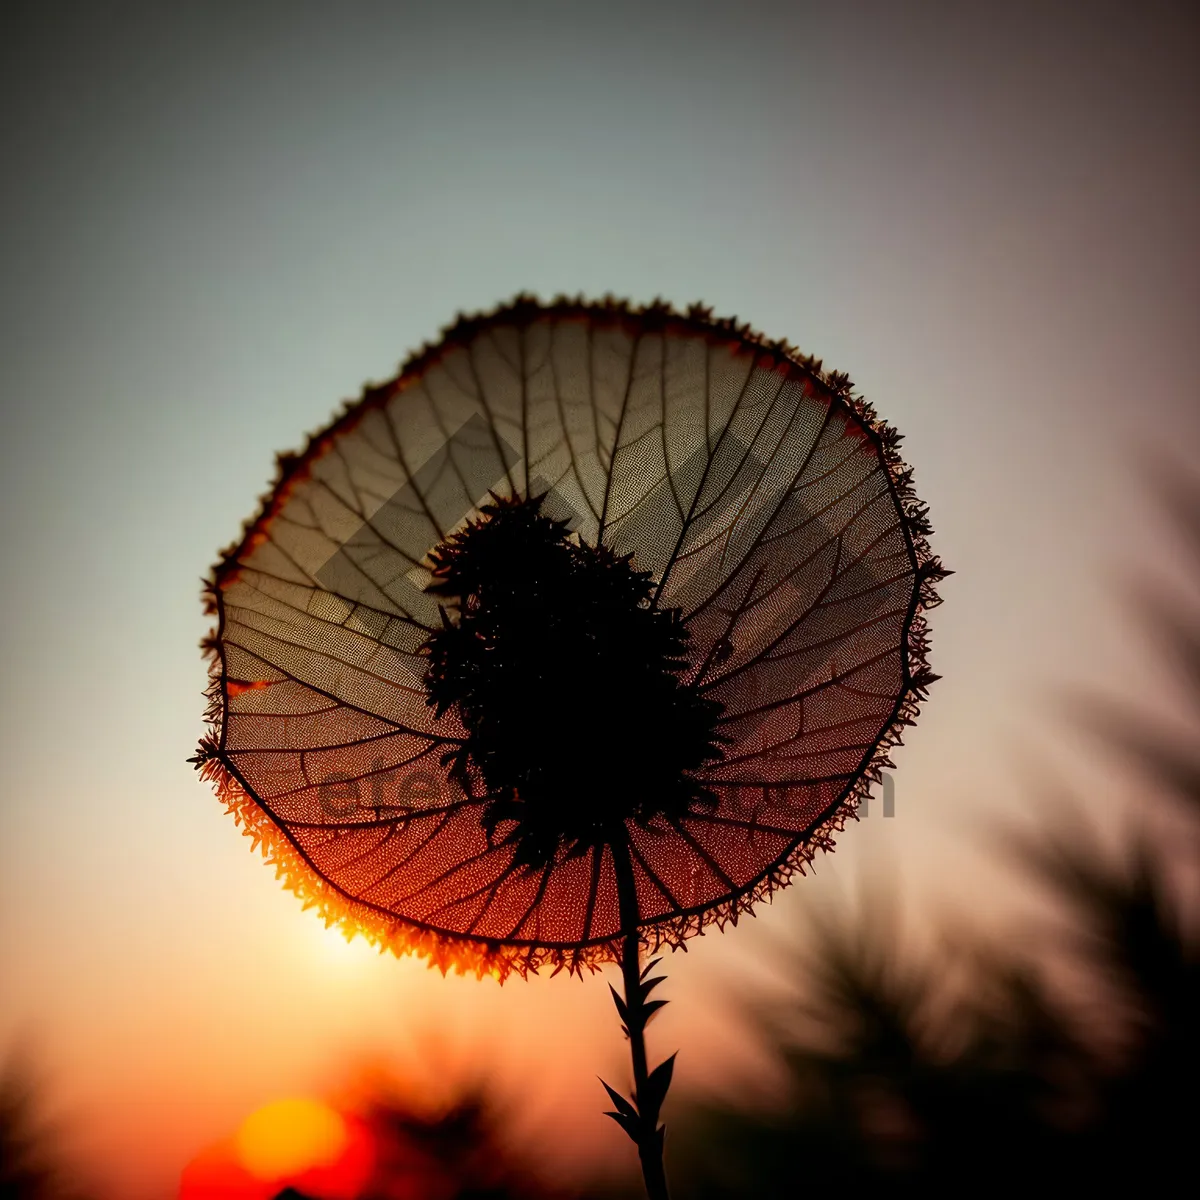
767 503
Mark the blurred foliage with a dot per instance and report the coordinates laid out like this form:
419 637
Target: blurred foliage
981 1066
31 1166
456 1154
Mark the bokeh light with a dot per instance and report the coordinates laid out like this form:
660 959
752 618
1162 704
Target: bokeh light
288 1136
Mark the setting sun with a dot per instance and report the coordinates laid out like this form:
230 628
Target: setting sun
296 1141
289 1136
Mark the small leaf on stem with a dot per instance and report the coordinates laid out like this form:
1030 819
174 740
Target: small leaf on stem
624 1106
622 1007
649 985
656 1087
648 1010
632 1129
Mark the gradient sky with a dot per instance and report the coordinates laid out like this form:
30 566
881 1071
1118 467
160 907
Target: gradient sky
220 220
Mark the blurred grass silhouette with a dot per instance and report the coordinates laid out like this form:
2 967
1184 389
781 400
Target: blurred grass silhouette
454 1154
901 1071
32 1163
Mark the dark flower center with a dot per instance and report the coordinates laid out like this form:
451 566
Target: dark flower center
566 678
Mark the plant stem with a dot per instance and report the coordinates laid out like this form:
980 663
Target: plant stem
650 1141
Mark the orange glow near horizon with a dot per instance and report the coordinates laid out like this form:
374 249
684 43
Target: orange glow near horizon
297 1141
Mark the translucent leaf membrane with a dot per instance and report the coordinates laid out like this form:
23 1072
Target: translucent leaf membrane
771 508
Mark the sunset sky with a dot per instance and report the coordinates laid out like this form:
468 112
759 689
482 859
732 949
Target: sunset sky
220 220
